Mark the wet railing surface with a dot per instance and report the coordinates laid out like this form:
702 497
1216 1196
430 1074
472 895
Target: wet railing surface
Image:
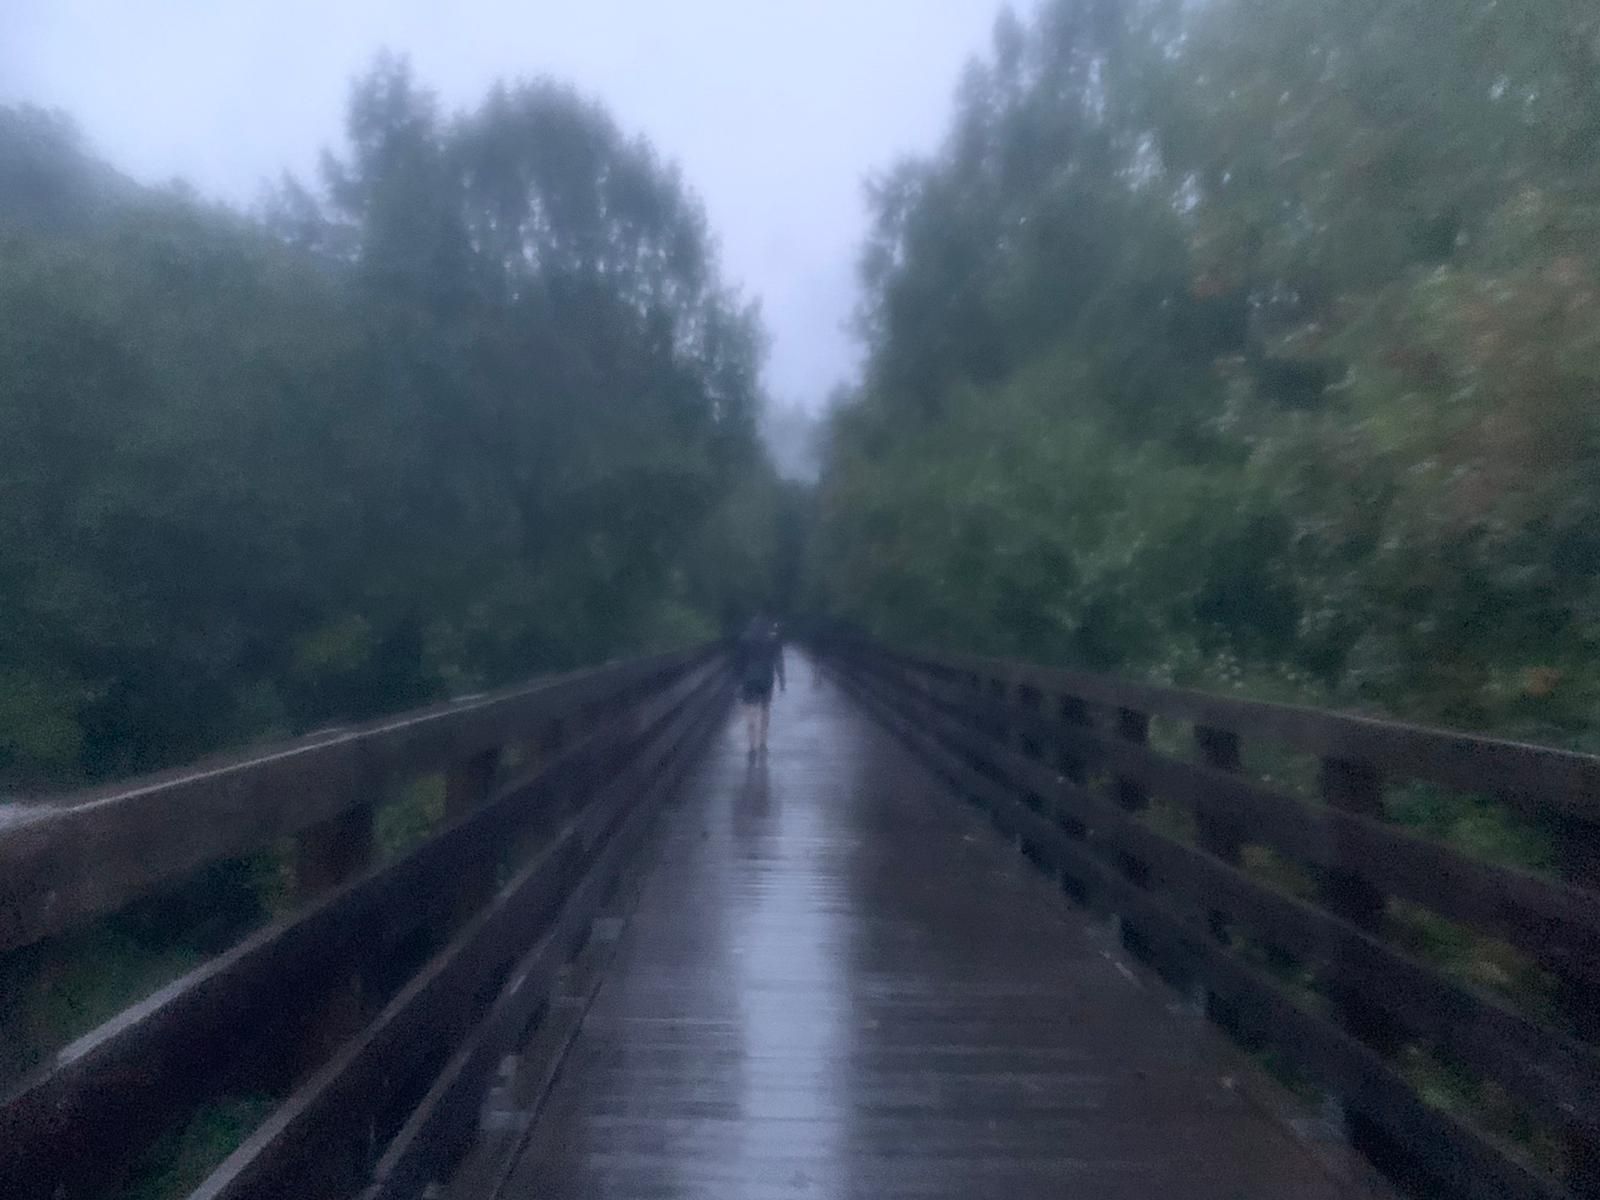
837 979
365 1019
1258 854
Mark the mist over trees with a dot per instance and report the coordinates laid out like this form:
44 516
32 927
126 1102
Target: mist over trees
1246 345
1249 345
793 438
477 404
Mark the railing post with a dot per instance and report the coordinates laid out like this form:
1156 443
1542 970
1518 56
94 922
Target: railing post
1074 767
1031 701
537 751
1069 762
997 725
466 787
1356 786
543 745
1132 726
1578 846
1578 843
1219 749
327 855
333 852
467 783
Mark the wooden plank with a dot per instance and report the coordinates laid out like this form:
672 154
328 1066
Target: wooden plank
94 851
116 1088
1457 1156
304 1147
835 983
1537 778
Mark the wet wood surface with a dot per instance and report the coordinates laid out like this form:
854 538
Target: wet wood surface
840 981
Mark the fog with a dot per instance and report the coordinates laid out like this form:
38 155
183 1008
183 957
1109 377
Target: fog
776 113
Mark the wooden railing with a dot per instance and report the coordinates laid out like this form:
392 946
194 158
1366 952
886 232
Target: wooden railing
373 1010
1295 912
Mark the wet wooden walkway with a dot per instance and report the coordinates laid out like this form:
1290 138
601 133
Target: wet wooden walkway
839 981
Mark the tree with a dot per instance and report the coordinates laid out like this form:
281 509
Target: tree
469 410
1249 344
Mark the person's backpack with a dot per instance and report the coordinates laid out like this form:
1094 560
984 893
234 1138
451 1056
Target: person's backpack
755 661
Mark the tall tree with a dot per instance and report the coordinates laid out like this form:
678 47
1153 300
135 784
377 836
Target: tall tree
471 408
1250 344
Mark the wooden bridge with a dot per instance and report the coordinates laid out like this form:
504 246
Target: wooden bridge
1175 945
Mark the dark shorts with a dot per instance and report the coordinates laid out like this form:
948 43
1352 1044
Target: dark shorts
755 692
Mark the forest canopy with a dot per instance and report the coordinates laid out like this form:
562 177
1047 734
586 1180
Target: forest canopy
477 404
1252 345
1246 345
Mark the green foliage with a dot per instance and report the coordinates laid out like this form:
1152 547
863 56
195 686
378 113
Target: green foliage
748 556
471 411
403 823
55 991
1005 532
479 407
179 1162
1251 346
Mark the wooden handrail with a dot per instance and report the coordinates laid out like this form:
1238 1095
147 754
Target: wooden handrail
1539 778
1063 761
81 855
351 1005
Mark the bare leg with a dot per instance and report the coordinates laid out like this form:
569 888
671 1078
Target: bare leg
766 715
752 719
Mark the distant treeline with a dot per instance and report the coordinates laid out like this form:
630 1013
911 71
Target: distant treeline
477 405
1251 345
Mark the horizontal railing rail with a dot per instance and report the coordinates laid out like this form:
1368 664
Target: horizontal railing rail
1298 914
364 1021
82 855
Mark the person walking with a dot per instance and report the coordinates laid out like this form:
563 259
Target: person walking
757 664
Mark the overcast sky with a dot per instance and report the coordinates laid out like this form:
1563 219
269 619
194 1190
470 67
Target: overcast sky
776 109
